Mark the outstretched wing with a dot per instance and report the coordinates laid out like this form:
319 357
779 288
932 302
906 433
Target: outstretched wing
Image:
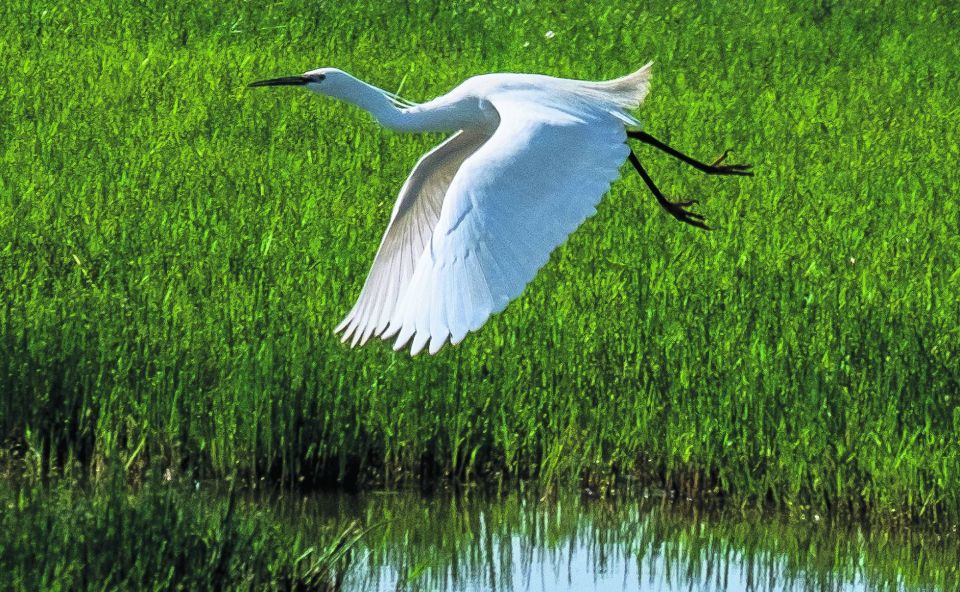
510 204
414 218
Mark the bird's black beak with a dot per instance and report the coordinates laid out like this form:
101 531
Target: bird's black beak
285 81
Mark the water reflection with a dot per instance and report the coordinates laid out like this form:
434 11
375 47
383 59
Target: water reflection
520 543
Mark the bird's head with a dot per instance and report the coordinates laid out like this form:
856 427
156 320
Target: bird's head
324 81
384 106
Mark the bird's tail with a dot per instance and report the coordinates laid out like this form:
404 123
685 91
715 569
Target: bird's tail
629 91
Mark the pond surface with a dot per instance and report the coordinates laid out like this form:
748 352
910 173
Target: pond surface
477 543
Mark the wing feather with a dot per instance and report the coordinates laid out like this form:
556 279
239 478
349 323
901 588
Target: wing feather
510 204
412 222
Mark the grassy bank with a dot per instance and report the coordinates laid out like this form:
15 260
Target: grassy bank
168 536
175 250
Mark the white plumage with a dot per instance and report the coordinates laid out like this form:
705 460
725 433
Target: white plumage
529 160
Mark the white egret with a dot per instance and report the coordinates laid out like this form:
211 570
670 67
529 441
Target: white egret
528 161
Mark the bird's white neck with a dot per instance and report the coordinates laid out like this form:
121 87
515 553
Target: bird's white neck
413 119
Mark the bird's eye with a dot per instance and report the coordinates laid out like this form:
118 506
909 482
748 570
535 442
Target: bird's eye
317 77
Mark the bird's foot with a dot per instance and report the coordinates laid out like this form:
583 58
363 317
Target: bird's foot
678 209
718 168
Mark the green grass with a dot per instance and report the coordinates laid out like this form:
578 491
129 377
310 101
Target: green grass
175 250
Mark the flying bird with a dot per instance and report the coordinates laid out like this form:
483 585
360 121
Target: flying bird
528 160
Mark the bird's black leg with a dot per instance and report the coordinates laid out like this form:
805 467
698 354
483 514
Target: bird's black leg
711 169
676 209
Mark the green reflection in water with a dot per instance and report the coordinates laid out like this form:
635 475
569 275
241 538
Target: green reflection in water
571 543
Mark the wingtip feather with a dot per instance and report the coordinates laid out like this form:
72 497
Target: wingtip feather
420 339
437 342
343 324
406 332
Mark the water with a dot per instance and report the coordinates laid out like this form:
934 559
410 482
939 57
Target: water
475 543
